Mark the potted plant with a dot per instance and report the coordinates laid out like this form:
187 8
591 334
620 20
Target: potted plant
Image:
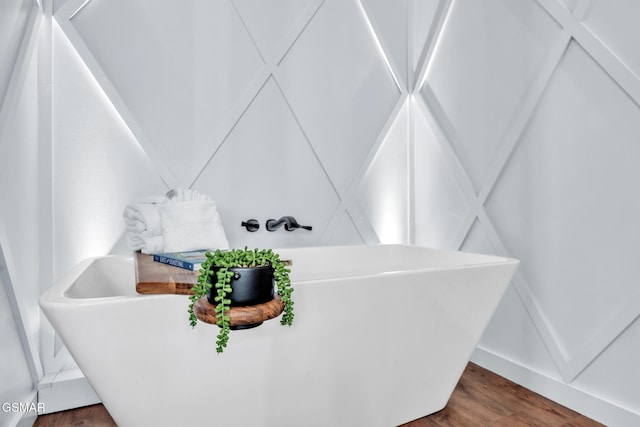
241 277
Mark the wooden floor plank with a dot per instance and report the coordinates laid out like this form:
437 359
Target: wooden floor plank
481 399
89 416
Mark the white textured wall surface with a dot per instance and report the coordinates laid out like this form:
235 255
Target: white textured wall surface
15 378
19 250
536 107
504 126
272 112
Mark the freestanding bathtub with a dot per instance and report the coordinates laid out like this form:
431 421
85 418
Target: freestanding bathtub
381 337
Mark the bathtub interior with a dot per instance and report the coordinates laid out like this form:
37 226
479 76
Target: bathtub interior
104 277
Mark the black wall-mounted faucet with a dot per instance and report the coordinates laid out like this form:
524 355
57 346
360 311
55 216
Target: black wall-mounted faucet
289 222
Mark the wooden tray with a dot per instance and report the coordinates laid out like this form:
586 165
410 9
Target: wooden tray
156 278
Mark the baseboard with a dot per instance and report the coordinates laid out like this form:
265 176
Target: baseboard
65 390
578 400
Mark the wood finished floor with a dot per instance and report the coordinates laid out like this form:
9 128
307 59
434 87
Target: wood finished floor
481 398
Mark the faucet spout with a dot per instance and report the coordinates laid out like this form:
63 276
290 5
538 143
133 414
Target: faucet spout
289 223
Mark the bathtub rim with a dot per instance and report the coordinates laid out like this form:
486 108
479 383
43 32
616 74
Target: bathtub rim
57 293
481 260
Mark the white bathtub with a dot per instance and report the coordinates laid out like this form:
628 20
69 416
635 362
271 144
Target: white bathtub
381 336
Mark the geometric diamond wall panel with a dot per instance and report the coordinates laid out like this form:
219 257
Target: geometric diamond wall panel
344 232
384 191
18 192
266 169
20 176
14 15
477 241
389 19
98 166
512 334
566 227
339 87
269 22
569 4
511 331
479 76
424 12
15 376
616 24
440 204
619 384
165 66
19 204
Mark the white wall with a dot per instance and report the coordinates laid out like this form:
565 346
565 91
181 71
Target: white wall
19 252
496 125
534 112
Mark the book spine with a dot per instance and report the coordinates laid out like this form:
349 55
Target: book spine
173 262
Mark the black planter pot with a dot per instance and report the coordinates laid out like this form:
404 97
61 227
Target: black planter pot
250 286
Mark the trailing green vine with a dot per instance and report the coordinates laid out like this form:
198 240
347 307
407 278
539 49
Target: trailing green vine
218 264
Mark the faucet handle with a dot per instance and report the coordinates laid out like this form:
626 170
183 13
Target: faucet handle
295 226
251 225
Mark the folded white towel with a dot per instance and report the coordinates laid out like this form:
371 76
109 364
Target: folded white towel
142 216
190 225
182 195
181 220
145 244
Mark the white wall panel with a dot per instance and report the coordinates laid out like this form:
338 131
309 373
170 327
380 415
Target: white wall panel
479 76
179 69
615 373
511 333
557 220
575 5
270 22
420 25
265 169
389 21
536 113
19 230
340 88
15 378
344 232
384 191
98 167
616 24
19 196
440 205
14 16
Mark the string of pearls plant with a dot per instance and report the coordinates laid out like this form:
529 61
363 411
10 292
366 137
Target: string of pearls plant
218 264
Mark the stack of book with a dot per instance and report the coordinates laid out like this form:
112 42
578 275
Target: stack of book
189 260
